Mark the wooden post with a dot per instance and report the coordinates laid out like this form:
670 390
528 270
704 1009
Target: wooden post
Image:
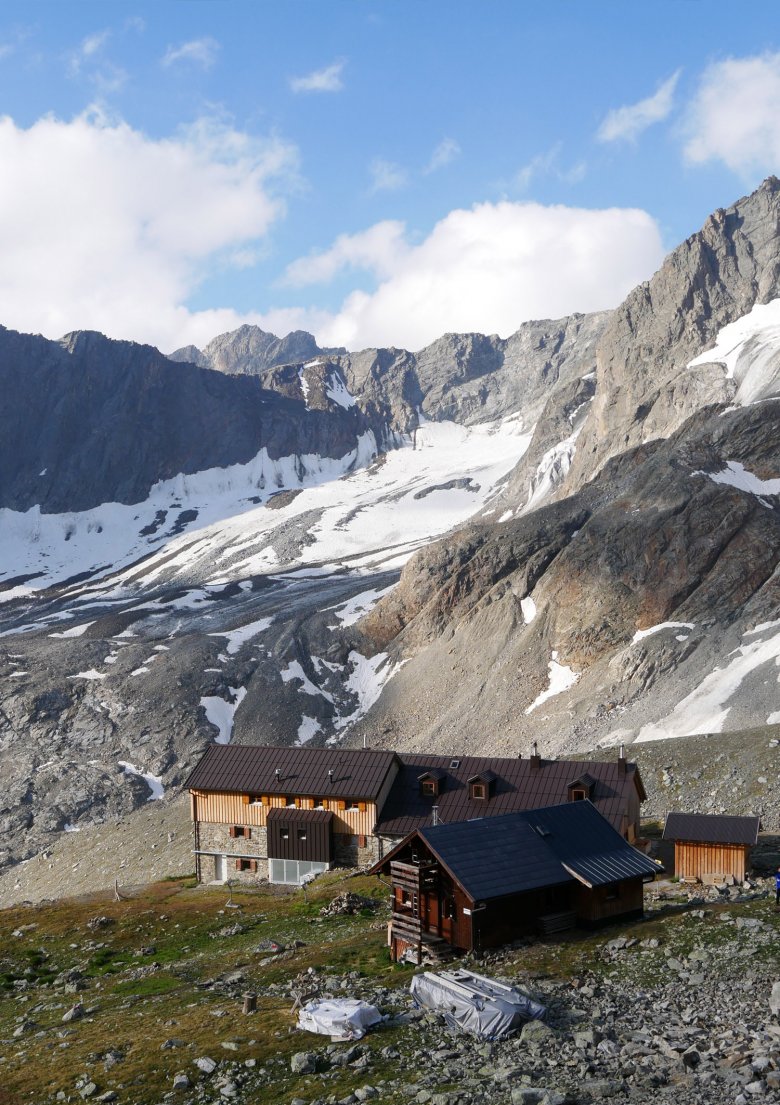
250 1003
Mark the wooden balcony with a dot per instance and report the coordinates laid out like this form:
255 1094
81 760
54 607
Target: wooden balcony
406 927
414 877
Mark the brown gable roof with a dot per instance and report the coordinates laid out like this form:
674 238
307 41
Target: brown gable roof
318 772
707 828
517 786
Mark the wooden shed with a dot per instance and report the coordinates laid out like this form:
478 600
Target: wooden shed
482 883
710 847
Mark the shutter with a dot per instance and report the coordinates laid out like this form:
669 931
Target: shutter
325 804
265 800
238 865
341 804
253 865
361 841
362 807
245 799
297 803
232 832
248 833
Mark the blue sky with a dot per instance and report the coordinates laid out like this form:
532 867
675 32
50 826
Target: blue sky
377 172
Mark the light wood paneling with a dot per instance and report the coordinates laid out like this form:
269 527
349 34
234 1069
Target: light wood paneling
692 860
230 809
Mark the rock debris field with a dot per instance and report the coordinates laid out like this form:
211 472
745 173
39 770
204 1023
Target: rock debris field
141 1001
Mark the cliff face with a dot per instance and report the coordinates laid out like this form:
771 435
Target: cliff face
644 389
88 420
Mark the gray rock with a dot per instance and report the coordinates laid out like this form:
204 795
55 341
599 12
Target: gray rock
205 1064
303 1062
536 1032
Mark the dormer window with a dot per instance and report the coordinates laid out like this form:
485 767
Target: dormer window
431 783
482 786
580 789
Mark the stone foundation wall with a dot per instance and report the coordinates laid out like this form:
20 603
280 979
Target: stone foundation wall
347 851
216 837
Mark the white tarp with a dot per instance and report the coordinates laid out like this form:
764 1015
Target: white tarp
475 1004
339 1018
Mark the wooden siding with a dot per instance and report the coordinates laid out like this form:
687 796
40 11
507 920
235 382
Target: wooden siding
231 809
692 860
604 902
317 844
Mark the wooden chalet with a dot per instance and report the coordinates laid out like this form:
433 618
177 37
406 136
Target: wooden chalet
479 884
285 813
262 812
710 847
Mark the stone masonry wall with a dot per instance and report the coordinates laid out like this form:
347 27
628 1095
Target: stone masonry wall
348 853
216 838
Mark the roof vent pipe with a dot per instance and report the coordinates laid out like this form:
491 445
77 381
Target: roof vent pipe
622 759
536 759
434 815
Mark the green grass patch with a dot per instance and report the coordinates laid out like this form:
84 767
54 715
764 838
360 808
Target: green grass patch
146 987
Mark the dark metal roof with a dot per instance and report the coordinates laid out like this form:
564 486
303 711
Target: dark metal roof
251 769
707 828
495 856
483 777
292 813
585 780
587 845
517 786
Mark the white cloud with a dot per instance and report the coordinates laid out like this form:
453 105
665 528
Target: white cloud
104 228
546 164
487 269
735 115
93 43
387 176
321 80
378 250
446 152
628 122
89 61
200 51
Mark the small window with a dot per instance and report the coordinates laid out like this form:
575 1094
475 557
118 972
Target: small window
578 795
284 833
237 831
301 834
246 865
612 893
478 790
428 787
290 802
454 765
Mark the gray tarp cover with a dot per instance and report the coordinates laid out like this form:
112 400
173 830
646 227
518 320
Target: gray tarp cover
339 1018
474 1003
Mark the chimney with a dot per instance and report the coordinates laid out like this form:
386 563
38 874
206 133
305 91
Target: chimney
536 759
622 760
